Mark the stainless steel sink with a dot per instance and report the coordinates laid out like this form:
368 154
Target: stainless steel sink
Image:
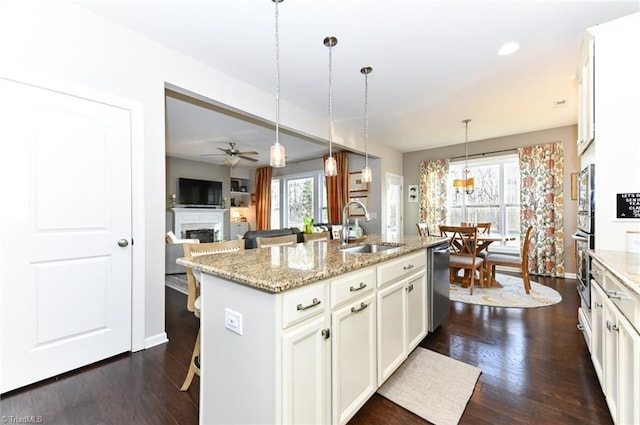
370 248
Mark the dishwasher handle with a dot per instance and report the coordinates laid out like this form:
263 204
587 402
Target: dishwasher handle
442 250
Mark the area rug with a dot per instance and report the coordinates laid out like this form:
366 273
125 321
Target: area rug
435 387
176 281
512 294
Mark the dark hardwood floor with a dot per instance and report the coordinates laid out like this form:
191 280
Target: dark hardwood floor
535 366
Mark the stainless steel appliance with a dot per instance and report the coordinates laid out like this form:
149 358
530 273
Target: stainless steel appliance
584 237
438 275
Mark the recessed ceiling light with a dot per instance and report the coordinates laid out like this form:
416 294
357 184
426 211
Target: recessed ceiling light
508 48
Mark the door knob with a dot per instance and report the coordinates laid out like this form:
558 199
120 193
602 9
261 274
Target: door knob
123 242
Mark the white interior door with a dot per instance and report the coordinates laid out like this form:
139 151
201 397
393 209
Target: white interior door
66 288
393 206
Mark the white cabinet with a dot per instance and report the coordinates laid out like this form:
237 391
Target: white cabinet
392 329
622 366
402 313
353 325
353 357
585 75
416 288
597 329
237 230
615 343
615 115
306 372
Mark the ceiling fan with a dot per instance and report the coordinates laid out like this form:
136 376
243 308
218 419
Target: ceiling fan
233 155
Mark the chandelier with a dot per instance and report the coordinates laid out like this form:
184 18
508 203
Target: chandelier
277 156
466 184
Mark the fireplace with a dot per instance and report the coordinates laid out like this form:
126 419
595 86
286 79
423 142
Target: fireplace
205 224
203 235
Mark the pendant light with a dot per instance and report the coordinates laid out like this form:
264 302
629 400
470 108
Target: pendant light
366 171
466 184
330 165
277 156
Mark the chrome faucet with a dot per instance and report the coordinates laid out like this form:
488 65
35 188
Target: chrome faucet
345 219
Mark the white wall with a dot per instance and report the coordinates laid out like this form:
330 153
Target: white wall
62 40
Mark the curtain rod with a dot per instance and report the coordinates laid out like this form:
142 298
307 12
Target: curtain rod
485 153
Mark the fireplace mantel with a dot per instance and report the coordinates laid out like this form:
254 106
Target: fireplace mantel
198 218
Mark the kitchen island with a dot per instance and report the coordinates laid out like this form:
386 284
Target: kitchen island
307 334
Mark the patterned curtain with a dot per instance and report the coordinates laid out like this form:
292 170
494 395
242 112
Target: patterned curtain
542 205
433 194
337 187
263 198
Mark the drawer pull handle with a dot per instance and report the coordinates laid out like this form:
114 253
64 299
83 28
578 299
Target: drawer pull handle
614 295
597 304
358 309
612 326
596 272
580 327
314 303
326 333
362 286
409 267
410 287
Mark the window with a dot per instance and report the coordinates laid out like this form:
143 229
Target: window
297 196
275 204
496 198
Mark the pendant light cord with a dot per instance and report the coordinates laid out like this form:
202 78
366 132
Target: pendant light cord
277 76
366 118
330 100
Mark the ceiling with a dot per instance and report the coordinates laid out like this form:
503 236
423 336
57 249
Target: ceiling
434 63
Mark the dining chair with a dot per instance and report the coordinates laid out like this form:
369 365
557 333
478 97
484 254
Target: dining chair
483 229
504 260
316 237
193 293
423 230
462 240
286 240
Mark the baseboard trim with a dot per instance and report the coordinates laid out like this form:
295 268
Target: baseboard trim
158 339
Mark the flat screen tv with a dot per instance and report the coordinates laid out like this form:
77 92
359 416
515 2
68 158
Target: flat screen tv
199 193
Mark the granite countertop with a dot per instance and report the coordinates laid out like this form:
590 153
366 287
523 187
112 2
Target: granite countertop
624 265
279 269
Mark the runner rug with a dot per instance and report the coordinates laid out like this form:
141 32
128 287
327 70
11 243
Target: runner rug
176 281
435 387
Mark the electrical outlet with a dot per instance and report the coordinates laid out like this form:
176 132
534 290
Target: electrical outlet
233 321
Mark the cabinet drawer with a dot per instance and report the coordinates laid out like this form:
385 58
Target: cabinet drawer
623 298
397 269
301 303
352 285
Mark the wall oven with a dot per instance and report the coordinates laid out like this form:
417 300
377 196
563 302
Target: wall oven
584 237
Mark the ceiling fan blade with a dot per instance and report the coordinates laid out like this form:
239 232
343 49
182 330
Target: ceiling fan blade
227 151
248 153
248 158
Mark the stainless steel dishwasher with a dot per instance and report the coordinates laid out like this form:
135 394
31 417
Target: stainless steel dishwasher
438 283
